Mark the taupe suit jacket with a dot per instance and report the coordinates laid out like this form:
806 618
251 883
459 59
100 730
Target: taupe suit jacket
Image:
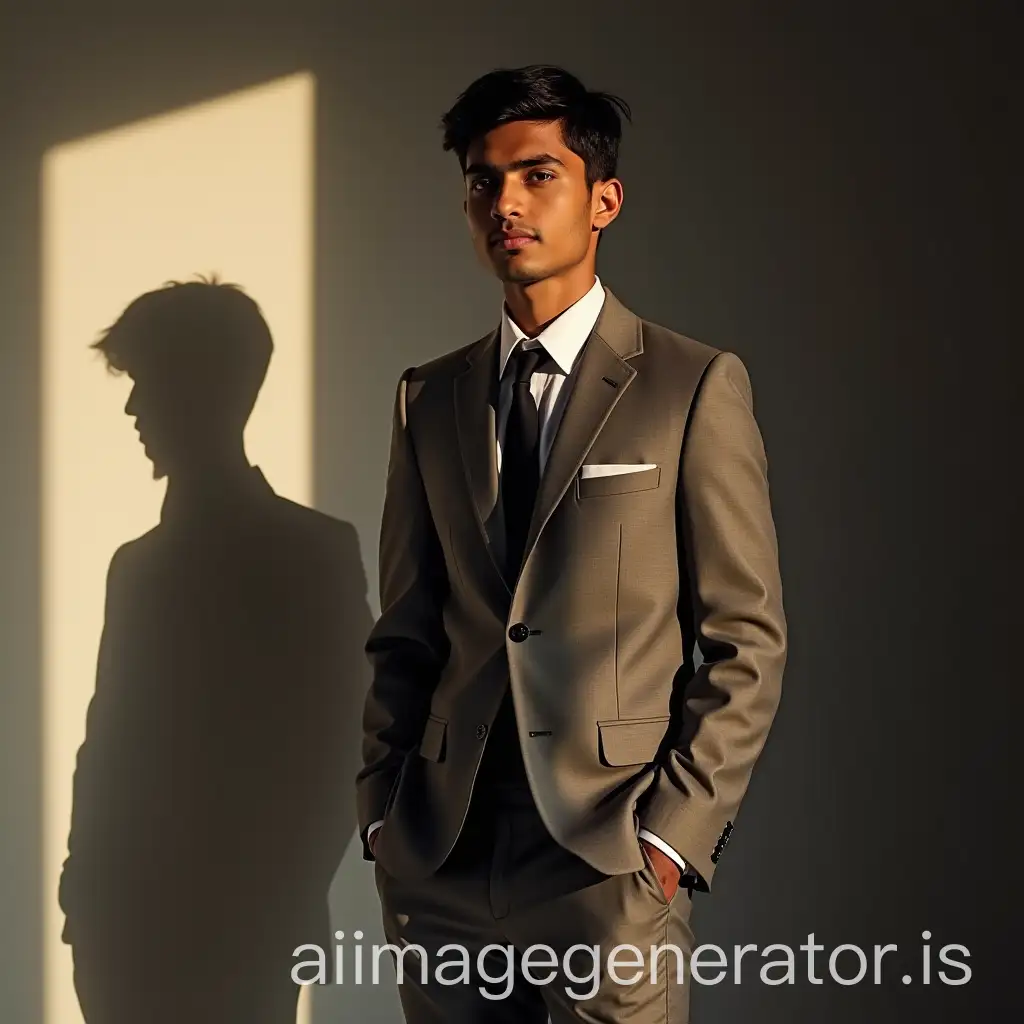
622 575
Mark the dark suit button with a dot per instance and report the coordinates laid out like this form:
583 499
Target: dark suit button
481 731
519 632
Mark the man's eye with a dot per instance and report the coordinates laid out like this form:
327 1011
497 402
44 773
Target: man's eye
480 184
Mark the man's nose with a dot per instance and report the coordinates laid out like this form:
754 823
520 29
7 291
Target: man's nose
129 406
508 201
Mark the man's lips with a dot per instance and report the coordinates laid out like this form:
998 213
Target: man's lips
513 240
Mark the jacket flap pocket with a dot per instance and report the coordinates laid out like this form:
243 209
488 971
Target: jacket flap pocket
631 740
432 745
618 483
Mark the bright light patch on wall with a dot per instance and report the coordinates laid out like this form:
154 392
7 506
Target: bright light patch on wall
224 186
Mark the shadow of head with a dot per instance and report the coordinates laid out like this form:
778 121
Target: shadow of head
197 353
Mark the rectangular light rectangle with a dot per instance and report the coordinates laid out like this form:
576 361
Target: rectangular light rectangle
224 186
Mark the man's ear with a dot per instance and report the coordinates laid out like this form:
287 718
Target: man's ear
608 199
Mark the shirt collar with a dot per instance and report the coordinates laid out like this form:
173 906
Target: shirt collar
563 337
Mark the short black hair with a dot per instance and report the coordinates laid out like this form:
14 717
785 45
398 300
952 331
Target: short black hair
208 326
591 122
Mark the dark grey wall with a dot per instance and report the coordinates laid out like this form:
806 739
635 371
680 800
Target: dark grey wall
823 197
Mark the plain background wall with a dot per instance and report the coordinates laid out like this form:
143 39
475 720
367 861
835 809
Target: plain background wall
823 194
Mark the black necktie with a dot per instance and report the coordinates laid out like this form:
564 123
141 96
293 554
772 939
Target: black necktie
520 454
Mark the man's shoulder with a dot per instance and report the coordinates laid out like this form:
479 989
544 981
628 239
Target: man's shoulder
705 366
447 364
665 341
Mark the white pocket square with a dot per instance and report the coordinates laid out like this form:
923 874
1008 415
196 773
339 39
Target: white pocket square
614 469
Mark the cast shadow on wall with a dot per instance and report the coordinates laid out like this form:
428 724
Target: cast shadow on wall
213 793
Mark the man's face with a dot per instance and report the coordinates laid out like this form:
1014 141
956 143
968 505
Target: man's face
522 178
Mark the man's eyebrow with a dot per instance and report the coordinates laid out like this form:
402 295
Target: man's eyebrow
516 165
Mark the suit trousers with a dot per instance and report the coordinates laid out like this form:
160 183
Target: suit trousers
462 937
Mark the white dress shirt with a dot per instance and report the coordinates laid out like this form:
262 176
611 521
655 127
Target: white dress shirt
563 339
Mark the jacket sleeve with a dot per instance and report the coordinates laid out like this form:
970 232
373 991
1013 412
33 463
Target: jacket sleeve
407 646
731 602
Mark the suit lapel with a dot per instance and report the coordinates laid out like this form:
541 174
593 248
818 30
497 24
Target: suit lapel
602 377
476 413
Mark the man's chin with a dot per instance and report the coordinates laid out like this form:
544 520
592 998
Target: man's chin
515 271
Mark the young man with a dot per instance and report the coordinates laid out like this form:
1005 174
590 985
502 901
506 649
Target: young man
573 502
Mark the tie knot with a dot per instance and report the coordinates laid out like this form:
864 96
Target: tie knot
528 361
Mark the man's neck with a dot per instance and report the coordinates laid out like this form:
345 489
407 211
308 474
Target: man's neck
533 306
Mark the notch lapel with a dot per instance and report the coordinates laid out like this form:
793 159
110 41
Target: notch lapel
476 412
603 375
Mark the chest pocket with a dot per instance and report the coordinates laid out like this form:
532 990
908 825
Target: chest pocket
617 483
